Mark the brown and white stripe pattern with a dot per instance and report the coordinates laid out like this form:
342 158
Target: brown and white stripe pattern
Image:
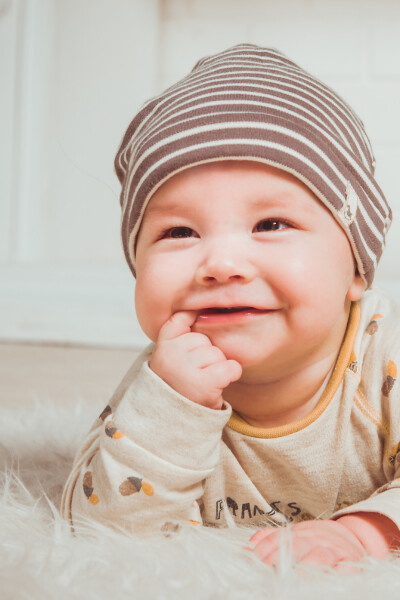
254 103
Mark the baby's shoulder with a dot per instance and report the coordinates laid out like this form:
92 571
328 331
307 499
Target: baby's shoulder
379 319
377 345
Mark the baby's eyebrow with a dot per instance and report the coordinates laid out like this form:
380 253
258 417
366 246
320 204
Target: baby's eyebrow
273 201
270 201
166 207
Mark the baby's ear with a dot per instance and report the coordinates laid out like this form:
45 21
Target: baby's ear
356 288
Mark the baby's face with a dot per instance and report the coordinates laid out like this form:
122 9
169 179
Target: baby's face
237 234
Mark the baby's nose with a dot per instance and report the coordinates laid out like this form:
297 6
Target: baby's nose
225 264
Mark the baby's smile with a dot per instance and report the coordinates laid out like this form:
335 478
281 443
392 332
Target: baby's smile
221 316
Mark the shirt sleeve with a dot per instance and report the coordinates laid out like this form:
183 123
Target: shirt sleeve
143 463
385 501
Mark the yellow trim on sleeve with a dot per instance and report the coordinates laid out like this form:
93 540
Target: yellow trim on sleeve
238 424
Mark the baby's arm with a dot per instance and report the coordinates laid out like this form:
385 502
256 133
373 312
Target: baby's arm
377 533
142 465
330 542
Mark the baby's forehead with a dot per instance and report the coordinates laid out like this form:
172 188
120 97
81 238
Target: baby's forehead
251 184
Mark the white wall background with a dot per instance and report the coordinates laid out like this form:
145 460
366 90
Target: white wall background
72 75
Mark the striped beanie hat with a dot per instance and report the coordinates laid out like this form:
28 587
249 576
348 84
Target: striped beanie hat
253 103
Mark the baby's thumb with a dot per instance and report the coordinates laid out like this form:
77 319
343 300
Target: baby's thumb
178 324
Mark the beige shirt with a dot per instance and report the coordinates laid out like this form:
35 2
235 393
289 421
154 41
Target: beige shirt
154 458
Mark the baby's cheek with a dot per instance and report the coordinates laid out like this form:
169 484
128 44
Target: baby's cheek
316 271
146 323
297 276
149 309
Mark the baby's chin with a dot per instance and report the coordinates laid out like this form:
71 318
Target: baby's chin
243 351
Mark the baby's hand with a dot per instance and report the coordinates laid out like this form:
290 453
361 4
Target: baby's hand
190 364
320 542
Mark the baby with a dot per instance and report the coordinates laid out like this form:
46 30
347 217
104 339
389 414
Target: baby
253 224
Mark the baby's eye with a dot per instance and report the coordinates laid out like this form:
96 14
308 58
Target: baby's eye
178 232
270 225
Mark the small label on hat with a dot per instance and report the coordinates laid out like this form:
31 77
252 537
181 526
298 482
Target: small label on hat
348 212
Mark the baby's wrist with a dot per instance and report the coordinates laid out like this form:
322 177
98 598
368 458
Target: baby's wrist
376 532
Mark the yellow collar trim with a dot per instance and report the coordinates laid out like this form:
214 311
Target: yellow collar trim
238 424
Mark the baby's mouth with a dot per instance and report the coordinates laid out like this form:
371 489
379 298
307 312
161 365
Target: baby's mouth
218 310
218 315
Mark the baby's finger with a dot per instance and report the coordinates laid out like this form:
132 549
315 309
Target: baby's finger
261 534
268 549
206 355
224 372
273 548
178 324
319 556
347 568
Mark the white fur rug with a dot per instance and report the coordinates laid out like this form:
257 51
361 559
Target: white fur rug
39 559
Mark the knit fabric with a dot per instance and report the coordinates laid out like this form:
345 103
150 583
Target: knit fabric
253 103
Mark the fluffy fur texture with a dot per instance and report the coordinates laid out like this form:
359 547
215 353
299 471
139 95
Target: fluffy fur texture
40 559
